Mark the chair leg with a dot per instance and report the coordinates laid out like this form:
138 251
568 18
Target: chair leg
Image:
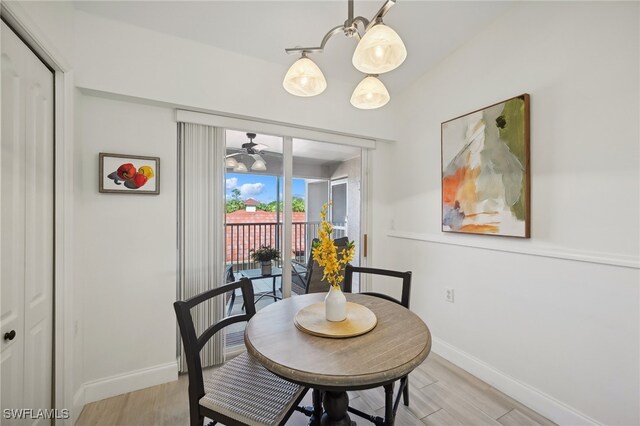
197 419
389 415
274 290
231 302
405 391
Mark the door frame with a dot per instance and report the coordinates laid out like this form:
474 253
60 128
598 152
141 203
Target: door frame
366 217
65 321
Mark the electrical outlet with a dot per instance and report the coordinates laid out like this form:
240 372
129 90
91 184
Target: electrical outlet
448 295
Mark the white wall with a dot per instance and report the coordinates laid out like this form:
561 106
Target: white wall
125 250
317 196
120 58
562 335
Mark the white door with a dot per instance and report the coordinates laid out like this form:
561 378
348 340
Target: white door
26 213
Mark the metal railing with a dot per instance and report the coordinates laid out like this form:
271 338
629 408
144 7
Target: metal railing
242 238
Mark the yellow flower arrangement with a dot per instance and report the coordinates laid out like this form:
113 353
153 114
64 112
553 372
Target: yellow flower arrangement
326 254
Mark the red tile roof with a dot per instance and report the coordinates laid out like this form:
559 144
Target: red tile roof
259 216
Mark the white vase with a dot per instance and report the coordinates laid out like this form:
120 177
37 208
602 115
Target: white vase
335 305
266 268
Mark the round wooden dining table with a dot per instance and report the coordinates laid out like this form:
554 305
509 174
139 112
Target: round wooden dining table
399 343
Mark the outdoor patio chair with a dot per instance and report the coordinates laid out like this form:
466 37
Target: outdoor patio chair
231 296
309 277
404 301
241 391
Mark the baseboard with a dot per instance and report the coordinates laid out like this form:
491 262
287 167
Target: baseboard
533 398
78 405
129 382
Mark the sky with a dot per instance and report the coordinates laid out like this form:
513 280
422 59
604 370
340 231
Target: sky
258 187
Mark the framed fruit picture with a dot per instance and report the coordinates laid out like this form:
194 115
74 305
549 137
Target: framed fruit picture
129 174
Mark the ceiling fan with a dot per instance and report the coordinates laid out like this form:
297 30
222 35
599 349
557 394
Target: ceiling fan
250 149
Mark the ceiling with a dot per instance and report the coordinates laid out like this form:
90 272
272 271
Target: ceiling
431 30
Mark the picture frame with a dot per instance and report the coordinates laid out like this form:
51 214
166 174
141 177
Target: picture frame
485 166
128 174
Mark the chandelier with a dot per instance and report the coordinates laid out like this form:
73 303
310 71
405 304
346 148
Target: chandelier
380 49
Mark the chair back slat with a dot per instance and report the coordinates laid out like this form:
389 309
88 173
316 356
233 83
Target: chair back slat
250 310
192 343
405 276
313 281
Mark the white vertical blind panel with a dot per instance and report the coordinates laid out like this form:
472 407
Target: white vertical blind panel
288 214
201 229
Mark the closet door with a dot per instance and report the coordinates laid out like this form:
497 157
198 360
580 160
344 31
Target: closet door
26 217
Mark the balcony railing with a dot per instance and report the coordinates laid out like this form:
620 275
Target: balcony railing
242 238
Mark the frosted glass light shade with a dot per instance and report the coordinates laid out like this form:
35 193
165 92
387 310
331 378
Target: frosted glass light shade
304 78
380 50
240 167
370 93
231 163
259 165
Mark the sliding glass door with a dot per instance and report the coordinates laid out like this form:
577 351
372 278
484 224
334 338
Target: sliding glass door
275 188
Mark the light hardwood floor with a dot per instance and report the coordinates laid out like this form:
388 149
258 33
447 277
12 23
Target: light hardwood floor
440 393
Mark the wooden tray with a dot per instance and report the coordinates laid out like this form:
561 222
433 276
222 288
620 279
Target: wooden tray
312 320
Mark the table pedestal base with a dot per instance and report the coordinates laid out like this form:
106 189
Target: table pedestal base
335 409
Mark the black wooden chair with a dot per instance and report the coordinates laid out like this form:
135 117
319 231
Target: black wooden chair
241 391
301 273
231 296
404 301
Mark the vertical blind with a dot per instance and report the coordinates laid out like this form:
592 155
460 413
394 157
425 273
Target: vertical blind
201 229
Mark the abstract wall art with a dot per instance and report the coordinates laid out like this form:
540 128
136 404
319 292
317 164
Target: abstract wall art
129 174
485 170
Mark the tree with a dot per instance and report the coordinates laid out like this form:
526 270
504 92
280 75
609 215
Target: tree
265 207
297 204
235 203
